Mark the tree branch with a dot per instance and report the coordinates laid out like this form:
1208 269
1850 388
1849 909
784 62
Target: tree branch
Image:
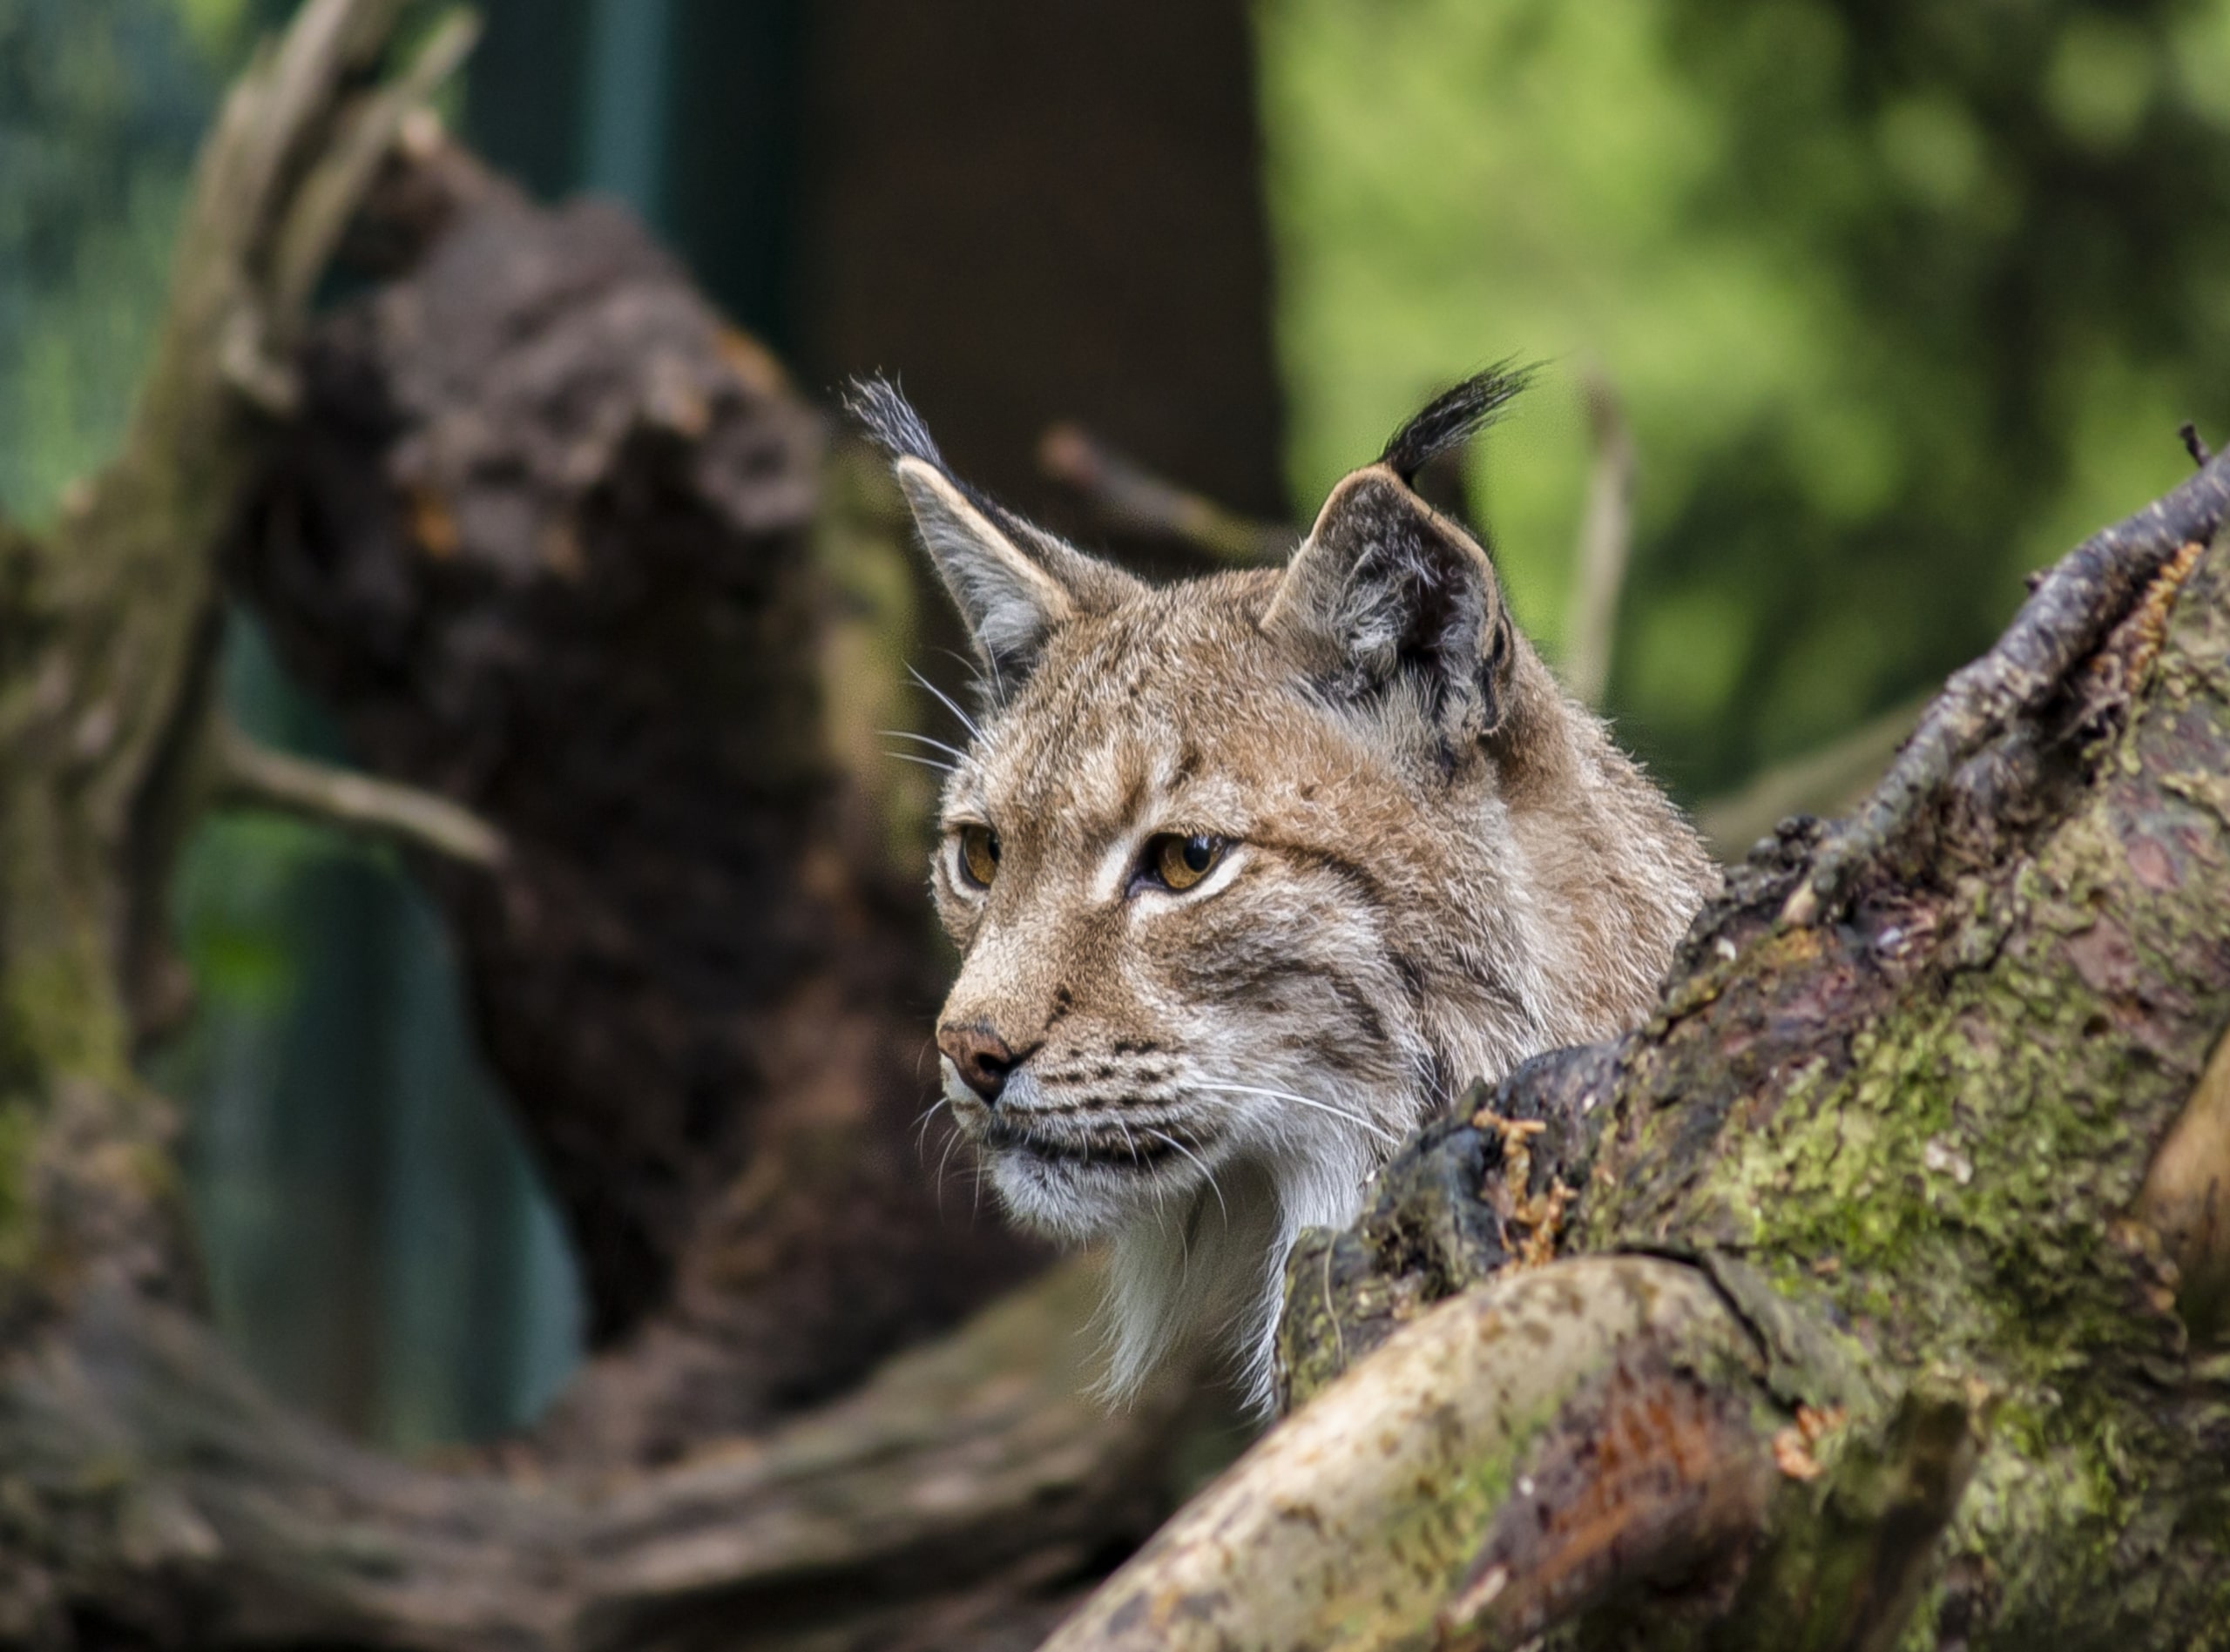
1532 1451
250 775
1132 500
328 196
104 720
943 1503
1605 542
2063 619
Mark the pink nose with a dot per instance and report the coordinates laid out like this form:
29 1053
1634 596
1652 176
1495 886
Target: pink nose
981 1057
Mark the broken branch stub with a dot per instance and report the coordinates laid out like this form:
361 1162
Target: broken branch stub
2063 620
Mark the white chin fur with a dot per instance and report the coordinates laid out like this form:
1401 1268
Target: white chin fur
1198 1254
1211 1273
1077 1203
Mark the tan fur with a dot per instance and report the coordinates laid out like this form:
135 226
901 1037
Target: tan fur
1438 865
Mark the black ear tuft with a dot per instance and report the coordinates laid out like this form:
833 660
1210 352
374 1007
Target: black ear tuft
890 419
1013 582
1452 418
883 412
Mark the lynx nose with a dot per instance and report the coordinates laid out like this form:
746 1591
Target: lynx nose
981 1056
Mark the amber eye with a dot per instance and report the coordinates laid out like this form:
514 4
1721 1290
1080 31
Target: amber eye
1182 862
979 854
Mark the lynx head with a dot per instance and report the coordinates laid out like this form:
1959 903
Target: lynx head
1250 873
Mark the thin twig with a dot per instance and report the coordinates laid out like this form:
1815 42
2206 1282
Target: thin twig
2194 444
282 103
1134 500
328 195
253 776
1825 780
1606 540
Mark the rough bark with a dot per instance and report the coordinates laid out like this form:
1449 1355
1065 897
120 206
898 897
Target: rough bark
591 587
1932 1117
553 542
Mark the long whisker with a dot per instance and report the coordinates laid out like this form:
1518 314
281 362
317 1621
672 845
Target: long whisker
926 762
953 752
922 1124
976 668
1211 1176
1379 1130
945 1159
966 721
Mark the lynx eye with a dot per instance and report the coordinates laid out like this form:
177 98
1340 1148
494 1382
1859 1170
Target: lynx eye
979 855
1180 862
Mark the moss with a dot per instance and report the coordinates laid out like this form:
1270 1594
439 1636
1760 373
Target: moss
54 1020
20 1131
1952 1181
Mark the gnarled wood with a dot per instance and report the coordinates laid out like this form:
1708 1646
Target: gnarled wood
1863 1295
550 538
1548 1446
152 1483
1935 1156
148 1491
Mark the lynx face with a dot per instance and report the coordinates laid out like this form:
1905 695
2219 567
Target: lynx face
1251 873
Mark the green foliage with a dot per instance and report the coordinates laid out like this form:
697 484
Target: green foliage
1903 300
101 106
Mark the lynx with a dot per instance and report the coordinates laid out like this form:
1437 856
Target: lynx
1252 873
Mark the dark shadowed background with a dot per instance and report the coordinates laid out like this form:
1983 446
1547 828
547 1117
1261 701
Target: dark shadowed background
1898 299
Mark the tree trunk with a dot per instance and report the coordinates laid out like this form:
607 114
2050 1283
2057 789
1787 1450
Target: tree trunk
1873 1292
552 542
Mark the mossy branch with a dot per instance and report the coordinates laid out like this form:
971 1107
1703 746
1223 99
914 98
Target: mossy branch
2063 620
1525 1453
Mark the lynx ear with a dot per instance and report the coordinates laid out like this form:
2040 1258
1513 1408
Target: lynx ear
1010 602
1385 591
1013 583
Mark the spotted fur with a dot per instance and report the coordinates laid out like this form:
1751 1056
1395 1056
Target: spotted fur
1437 865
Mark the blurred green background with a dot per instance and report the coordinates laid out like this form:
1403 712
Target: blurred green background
1900 299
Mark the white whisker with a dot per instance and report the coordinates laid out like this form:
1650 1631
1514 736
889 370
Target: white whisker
967 722
1379 1130
1211 1176
974 668
922 1124
953 752
1130 1141
945 1159
926 762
